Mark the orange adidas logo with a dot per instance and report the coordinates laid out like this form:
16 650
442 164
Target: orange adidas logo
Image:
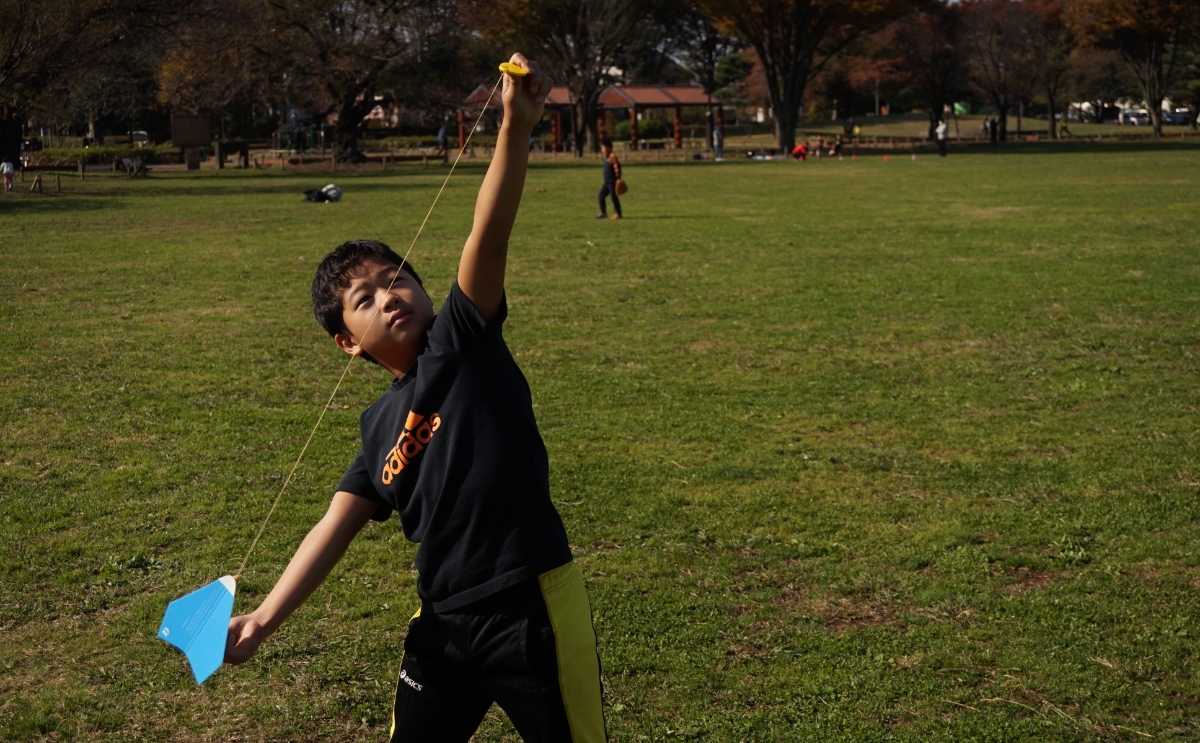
418 431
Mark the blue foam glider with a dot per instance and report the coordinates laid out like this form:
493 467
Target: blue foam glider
198 624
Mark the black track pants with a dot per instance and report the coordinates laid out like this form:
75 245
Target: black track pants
503 650
609 189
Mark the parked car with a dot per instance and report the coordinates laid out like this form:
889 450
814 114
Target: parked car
1134 118
1178 117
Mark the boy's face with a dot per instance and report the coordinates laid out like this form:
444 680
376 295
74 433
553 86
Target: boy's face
397 335
606 149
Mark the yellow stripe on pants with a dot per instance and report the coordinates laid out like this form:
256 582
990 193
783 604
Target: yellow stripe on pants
575 643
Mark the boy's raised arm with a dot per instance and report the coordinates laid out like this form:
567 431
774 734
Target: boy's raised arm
481 269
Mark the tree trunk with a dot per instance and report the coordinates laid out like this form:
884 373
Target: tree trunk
1155 110
347 129
10 136
1051 113
587 136
785 128
785 104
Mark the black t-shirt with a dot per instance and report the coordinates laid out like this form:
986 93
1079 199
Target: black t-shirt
453 446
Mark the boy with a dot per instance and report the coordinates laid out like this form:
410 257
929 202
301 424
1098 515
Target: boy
612 172
7 170
454 448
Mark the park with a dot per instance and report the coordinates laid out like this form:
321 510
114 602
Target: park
837 466
869 413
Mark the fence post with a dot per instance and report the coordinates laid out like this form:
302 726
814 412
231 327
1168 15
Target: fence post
81 170
58 180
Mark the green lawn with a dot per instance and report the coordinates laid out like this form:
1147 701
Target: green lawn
847 450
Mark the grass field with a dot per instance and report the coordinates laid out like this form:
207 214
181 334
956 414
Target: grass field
854 451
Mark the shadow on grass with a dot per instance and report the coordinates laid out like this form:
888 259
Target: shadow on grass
1071 146
56 202
293 186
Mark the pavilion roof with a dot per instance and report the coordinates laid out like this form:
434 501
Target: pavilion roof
654 96
560 95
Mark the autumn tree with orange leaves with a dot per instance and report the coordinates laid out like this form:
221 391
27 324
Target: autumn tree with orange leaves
1152 37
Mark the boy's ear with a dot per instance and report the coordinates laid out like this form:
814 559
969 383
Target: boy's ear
347 344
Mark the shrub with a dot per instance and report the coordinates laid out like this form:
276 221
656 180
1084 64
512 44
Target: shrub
647 129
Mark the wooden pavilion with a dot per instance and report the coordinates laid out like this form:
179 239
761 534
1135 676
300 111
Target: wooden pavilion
634 98
638 97
559 100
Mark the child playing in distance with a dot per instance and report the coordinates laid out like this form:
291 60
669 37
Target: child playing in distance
454 448
7 170
612 173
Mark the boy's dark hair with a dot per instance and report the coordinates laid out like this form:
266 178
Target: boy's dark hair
606 142
334 275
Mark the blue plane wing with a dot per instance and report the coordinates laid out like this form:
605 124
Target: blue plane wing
198 624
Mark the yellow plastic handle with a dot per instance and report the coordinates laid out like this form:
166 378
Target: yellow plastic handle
512 69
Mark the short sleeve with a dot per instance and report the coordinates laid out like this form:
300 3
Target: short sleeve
357 481
460 325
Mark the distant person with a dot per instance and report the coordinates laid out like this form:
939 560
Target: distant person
800 152
718 144
820 146
984 130
441 139
941 137
836 147
612 173
7 170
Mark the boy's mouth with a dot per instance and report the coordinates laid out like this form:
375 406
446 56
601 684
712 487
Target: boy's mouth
398 317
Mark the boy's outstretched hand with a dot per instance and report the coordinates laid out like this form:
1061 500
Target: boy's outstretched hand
525 96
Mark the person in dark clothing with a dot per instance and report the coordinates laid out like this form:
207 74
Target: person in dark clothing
453 447
612 173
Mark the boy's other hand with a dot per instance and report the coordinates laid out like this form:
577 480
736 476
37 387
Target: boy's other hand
245 635
524 97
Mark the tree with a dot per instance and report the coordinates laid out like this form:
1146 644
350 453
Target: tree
1187 87
1152 37
1100 77
1051 44
1000 67
576 41
39 42
214 57
709 54
924 53
52 50
336 56
794 39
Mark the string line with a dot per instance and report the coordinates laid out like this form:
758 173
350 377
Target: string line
370 325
